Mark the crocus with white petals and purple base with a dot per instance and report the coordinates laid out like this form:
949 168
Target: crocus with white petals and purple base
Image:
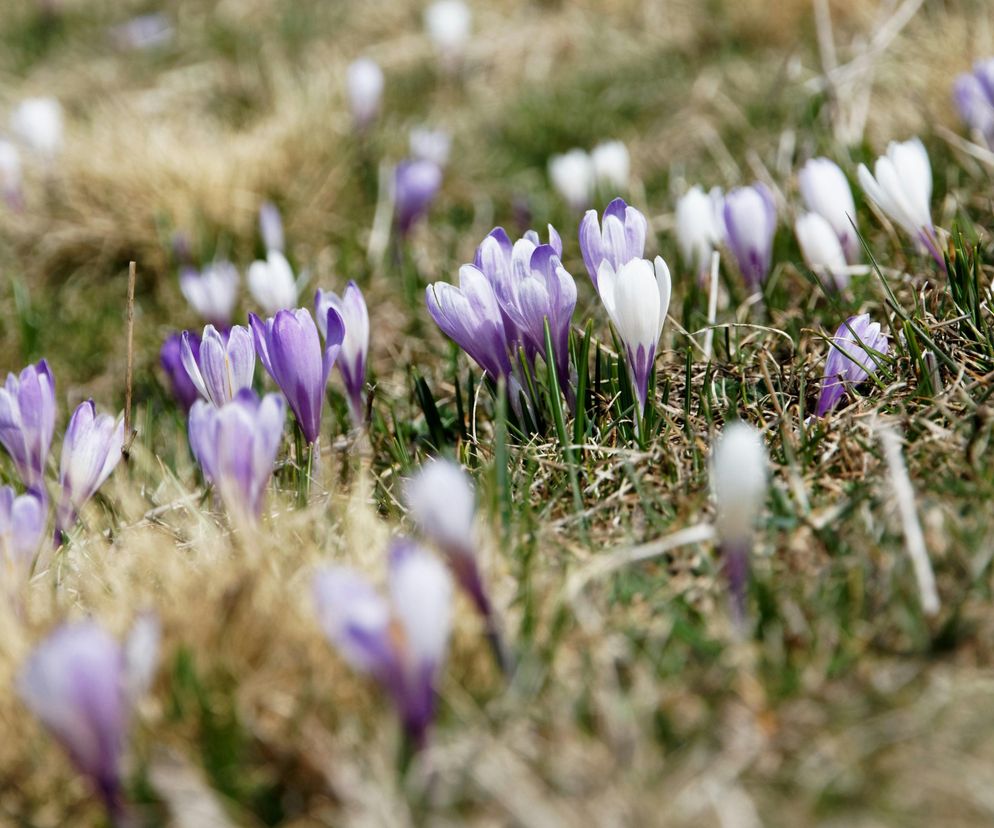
973 93
290 349
212 292
821 249
91 450
750 216
236 446
351 307
700 227
171 359
617 239
637 298
223 364
901 186
739 469
857 349
272 284
27 421
416 182
22 529
826 192
400 640
82 686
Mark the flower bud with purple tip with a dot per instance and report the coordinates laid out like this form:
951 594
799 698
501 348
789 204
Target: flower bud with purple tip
351 307
857 348
739 468
236 446
289 346
27 421
212 292
91 450
171 359
617 239
80 684
22 528
750 223
400 640
222 365
416 182
637 298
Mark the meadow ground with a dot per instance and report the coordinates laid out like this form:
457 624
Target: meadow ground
633 702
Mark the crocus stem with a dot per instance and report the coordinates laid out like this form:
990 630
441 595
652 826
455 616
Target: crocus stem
735 566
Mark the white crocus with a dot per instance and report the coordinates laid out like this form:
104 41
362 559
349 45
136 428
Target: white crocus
699 226
821 249
739 469
636 299
826 192
271 283
612 165
37 123
901 186
430 145
441 501
572 175
447 23
364 87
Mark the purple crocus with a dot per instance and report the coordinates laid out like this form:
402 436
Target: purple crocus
415 184
857 347
27 421
400 640
222 365
91 450
236 446
973 93
22 527
617 239
750 222
212 293
290 349
82 685
351 307
171 359
471 316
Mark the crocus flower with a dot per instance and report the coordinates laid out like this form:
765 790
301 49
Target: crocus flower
974 96
37 123
636 298
22 528
901 186
271 283
416 182
171 359
471 316
79 682
572 175
91 450
617 239
700 226
447 23
236 447
430 145
10 174
821 249
750 222
222 365
856 349
271 226
826 191
739 468
364 88
351 307
27 420
290 349
400 640
144 32
611 165
212 292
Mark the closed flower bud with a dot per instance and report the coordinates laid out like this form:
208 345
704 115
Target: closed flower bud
857 348
612 165
22 528
416 183
617 239
91 450
750 224
821 250
27 421
572 175
272 284
351 307
700 226
430 145
171 359
973 93
271 227
37 123
364 87
447 23
222 365
826 192
212 293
